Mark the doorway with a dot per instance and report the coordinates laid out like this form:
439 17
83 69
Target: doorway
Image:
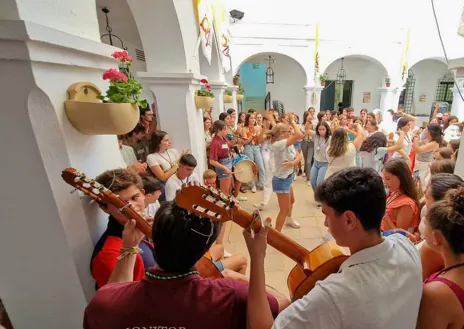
335 93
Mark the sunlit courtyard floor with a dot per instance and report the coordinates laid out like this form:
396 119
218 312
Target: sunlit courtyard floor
309 235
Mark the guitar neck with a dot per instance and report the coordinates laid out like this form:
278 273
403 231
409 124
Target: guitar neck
277 240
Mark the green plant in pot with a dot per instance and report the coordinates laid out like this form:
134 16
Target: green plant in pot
204 97
124 88
236 79
323 78
240 92
387 81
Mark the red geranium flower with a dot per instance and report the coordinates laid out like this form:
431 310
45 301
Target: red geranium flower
114 75
208 87
204 81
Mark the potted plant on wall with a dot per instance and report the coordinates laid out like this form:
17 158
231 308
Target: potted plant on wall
228 96
323 78
204 97
236 79
240 92
115 113
387 81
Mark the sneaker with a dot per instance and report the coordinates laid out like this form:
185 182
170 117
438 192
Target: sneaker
227 254
294 177
309 184
241 198
259 206
292 222
259 188
253 189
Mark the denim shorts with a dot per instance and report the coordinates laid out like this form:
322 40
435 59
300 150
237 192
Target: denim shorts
219 265
227 162
282 185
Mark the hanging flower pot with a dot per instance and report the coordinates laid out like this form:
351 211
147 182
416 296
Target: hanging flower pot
204 98
90 116
228 99
236 80
239 97
204 102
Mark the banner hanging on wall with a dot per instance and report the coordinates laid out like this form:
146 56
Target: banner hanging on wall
205 22
222 33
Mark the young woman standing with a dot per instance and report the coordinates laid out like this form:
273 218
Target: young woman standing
424 152
220 158
250 133
285 158
321 138
442 302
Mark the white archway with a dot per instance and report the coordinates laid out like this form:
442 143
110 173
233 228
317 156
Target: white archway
289 80
364 76
428 78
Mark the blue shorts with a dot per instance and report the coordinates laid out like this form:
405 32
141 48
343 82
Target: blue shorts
219 265
227 162
282 185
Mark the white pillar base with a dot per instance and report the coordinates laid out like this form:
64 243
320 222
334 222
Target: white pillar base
388 97
178 115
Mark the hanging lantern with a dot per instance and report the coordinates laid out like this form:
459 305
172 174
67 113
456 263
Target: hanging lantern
110 33
270 72
341 75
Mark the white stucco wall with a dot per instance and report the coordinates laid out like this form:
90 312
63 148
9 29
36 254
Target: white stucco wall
427 73
377 35
368 76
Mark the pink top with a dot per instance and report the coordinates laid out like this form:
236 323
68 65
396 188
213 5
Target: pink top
458 291
396 201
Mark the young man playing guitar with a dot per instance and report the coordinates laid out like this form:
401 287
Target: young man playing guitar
378 287
172 294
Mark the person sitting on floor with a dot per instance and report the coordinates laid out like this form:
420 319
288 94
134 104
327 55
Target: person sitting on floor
172 294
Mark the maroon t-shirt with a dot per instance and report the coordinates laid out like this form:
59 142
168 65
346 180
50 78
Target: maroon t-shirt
189 303
219 148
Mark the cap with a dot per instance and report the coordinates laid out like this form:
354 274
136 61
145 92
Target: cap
376 111
440 115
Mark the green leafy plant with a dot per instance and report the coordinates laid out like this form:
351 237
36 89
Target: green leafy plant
324 77
205 89
124 88
387 80
240 90
227 92
236 79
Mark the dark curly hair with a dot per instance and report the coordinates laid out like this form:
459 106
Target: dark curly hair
359 190
447 216
373 142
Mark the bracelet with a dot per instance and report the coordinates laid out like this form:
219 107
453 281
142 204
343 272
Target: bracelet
129 251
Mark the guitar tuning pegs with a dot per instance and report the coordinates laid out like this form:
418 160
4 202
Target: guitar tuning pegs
96 184
86 185
73 191
96 191
77 179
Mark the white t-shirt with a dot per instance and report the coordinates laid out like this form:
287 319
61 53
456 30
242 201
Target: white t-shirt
152 208
174 183
128 154
342 162
164 159
376 288
373 159
407 146
281 154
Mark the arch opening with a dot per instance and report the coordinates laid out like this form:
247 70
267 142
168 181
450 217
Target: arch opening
288 87
364 76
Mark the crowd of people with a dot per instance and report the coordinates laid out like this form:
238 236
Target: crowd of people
387 190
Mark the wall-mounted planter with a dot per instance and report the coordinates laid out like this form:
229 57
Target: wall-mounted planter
228 99
203 102
92 117
239 97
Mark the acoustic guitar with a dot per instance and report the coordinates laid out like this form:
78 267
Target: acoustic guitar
310 266
103 195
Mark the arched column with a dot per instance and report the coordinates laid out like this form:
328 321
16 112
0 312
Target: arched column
46 276
168 30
